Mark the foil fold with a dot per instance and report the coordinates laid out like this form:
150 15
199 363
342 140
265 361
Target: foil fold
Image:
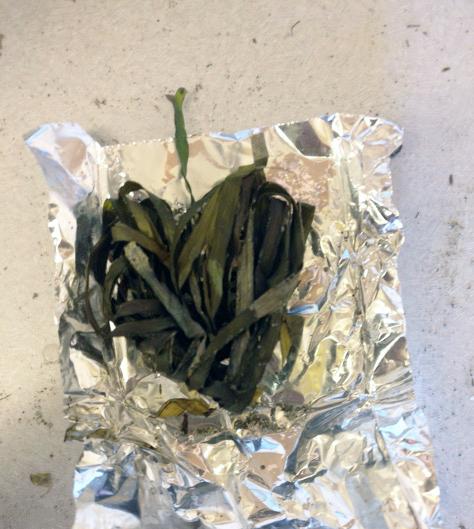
335 442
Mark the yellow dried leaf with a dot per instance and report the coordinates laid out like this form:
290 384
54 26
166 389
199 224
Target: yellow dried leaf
176 407
41 479
285 342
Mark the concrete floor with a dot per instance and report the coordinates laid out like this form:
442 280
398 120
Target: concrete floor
108 64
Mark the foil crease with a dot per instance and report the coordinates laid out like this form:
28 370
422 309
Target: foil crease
338 441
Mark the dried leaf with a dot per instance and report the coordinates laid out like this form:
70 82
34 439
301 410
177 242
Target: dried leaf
177 407
41 479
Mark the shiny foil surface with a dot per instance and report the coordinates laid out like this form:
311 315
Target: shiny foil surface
337 442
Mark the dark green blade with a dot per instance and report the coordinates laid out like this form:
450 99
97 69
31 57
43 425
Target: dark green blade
140 328
270 243
282 268
165 214
138 307
197 299
116 269
183 224
160 206
127 188
109 214
307 217
98 258
239 346
97 262
249 187
113 210
272 300
140 263
297 241
219 237
123 233
143 221
195 244
197 346
245 271
255 362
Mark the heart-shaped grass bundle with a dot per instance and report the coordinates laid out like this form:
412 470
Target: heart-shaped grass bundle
203 294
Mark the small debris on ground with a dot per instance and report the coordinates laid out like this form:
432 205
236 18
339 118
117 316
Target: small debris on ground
294 26
41 479
446 69
451 179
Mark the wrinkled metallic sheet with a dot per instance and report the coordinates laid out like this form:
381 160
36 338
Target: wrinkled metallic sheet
338 442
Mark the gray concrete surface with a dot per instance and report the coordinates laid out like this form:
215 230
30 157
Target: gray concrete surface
107 64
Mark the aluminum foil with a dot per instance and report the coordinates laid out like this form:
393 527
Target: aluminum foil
335 442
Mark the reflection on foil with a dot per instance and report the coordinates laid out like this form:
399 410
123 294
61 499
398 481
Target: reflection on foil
335 442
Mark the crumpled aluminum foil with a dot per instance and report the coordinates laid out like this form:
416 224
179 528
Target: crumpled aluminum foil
338 441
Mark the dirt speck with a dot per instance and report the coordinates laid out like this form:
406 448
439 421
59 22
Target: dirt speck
413 26
198 87
39 418
446 69
462 526
455 225
293 26
451 179
100 102
35 295
3 397
417 214
254 40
